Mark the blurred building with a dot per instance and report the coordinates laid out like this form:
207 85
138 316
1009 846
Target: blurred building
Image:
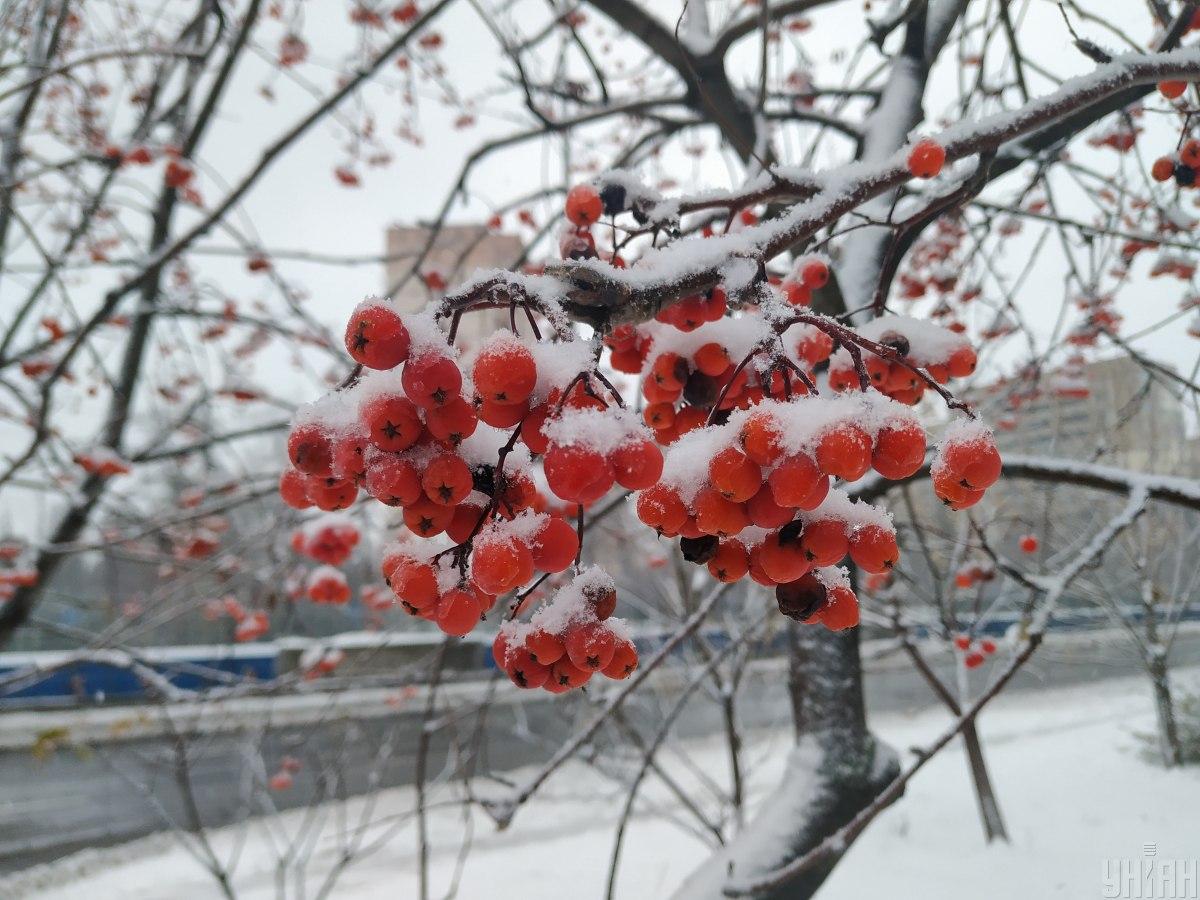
1111 410
457 251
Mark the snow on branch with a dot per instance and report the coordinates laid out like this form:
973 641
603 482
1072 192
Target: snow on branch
602 294
1171 489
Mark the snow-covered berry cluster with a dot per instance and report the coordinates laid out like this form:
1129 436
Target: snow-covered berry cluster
754 408
940 352
570 639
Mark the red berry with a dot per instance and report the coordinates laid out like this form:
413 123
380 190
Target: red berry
764 512
961 362
463 522
501 650
376 337
453 422
1172 89
712 359
950 490
975 462
531 428
1029 544
988 647
310 449
347 456
545 647
926 158
293 489
716 515
659 416
814 273
760 438
624 661
844 451
973 660
794 480
393 480
782 558
962 641
1163 169
590 646
502 415
602 598
583 205
660 507
565 676
177 173
426 518
505 373
824 542
841 609
873 548
431 379
899 450
414 583
555 545
526 671
391 422
730 562
447 480
332 494
575 472
637 464
499 566
735 475
457 612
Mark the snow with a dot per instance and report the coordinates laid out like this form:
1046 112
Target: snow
928 342
1053 756
602 430
738 335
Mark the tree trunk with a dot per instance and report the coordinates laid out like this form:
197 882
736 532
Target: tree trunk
835 769
985 795
1164 708
1160 678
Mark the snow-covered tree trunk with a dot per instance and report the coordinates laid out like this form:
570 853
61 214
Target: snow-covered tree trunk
1160 679
835 770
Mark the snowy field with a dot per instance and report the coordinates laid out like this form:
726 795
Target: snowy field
1069 769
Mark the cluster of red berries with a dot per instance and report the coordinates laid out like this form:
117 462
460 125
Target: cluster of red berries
975 652
820 597
569 639
766 508
972 574
685 378
317 661
426 590
505 555
102 462
940 352
967 464
809 273
328 539
284 778
588 450
1180 166
326 584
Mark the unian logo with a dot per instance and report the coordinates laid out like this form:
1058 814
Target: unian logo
1150 877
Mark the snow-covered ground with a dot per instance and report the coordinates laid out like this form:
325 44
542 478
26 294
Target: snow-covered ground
1069 768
